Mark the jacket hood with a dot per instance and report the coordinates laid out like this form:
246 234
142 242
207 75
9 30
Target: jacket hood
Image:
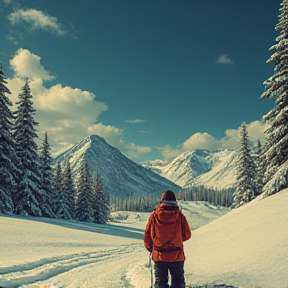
167 213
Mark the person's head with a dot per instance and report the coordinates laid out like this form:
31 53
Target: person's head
168 197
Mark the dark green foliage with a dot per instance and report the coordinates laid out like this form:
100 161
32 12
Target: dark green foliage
260 164
246 187
222 197
135 203
47 171
100 201
138 203
276 150
29 196
9 163
68 190
84 198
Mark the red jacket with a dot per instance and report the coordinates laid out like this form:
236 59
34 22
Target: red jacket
165 232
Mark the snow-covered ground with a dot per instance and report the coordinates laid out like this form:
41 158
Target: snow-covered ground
246 247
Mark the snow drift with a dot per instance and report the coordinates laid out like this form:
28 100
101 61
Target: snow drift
248 247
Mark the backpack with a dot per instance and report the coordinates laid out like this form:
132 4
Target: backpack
167 232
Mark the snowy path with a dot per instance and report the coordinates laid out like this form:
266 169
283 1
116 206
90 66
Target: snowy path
76 255
42 253
53 267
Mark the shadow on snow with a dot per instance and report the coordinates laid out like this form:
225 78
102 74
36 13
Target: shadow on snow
108 229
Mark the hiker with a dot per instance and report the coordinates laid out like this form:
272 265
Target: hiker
165 232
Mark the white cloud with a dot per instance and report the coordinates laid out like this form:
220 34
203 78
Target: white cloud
230 140
146 131
256 131
224 59
135 121
201 141
7 2
37 20
169 153
26 64
134 149
67 114
206 141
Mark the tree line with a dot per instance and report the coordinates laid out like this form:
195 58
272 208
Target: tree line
30 184
264 169
137 203
134 203
217 197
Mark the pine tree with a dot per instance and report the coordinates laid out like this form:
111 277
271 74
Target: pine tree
47 172
276 153
61 208
96 202
8 157
69 190
84 211
246 177
58 185
260 164
100 201
29 194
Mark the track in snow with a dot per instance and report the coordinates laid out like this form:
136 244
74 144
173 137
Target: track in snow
44 269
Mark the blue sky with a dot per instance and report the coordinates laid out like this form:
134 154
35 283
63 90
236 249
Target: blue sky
153 77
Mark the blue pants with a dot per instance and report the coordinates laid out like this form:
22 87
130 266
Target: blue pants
176 270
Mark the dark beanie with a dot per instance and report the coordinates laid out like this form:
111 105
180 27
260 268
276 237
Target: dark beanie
168 196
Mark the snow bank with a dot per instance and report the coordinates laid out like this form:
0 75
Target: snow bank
248 247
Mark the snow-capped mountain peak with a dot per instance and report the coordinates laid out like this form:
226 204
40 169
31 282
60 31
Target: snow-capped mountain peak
121 176
215 169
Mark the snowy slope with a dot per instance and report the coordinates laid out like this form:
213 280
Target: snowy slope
120 175
59 253
199 167
246 248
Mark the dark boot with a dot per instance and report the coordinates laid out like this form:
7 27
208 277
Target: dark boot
157 286
178 285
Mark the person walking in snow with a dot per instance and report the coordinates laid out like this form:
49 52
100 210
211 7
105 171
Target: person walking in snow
165 232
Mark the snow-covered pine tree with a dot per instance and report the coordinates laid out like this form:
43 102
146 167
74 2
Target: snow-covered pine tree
246 177
96 203
29 198
100 201
58 185
84 211
259 161
9 163
47 172
60 209
276 152
69 190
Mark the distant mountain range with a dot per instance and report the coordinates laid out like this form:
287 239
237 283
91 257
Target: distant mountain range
199 167
121 176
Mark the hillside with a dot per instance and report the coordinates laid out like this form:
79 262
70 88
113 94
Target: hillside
247 247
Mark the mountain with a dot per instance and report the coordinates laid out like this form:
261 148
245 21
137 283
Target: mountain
215 169
121 176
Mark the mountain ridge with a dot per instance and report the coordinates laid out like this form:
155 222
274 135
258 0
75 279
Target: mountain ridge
215 169
121 176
